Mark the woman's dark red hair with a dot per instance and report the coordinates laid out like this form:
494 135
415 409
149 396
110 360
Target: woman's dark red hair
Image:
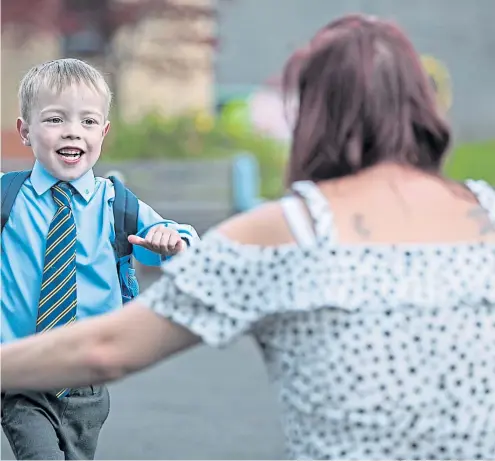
363 98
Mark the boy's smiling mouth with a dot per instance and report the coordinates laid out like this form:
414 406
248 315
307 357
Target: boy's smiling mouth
70 154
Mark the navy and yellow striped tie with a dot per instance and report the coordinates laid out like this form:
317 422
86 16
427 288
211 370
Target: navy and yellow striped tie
58 297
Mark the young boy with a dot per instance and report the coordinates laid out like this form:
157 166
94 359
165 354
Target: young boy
58 262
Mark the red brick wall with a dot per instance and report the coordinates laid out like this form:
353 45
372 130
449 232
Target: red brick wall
12 146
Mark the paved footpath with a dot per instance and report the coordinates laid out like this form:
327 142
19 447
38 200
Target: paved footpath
204 404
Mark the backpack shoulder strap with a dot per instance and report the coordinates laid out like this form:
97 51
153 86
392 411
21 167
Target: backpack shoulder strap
125 213
11 184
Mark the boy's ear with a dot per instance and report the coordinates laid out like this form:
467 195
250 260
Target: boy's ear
106 128
23 130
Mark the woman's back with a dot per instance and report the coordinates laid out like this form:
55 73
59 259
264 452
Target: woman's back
388 352
390 204
378 334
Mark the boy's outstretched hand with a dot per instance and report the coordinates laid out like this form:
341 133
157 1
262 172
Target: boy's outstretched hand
160 239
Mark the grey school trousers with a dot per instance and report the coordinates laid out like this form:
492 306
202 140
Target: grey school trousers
38 425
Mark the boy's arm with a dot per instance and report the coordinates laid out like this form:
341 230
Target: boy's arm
149 218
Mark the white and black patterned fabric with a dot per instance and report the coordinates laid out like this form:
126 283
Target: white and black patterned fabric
379 351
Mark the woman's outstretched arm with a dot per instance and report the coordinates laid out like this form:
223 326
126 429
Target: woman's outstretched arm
109 347
92 351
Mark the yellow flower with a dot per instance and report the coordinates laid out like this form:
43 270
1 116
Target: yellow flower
203 122
440 77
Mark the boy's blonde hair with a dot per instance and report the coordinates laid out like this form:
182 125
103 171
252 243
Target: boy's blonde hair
57 75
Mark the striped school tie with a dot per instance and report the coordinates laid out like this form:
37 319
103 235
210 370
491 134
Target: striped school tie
58 297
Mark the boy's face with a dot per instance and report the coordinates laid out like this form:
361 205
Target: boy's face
66 130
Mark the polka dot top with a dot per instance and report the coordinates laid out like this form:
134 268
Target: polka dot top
380 351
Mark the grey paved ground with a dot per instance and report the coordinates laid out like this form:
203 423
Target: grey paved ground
205 404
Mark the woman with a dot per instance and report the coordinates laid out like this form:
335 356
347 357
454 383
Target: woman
370 289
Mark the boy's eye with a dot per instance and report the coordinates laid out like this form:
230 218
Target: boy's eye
54 120
90 121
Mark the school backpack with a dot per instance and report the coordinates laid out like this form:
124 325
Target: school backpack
125 212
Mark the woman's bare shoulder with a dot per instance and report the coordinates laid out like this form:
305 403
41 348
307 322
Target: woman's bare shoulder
264 225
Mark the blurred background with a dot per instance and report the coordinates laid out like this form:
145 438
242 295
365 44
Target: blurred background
199 132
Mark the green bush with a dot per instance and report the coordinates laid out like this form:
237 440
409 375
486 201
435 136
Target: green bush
197 136
473 160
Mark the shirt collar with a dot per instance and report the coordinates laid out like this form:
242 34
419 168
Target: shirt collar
43 181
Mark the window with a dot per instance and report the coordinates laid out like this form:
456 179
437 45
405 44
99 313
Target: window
85 28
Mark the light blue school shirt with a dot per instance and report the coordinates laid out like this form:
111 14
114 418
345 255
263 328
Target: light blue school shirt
23 249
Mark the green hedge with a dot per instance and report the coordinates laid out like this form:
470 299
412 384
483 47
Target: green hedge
195 136
474 160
